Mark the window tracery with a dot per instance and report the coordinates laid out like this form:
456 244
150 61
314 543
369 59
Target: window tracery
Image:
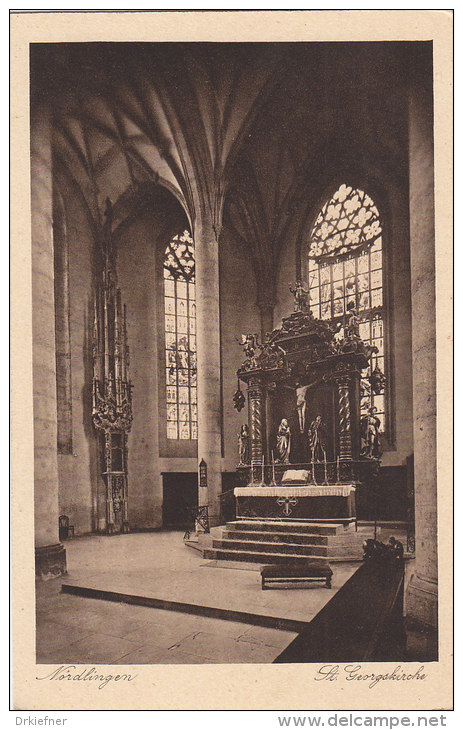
348 222
180 338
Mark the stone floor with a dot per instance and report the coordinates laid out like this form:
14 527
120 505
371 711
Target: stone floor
158 565
74 629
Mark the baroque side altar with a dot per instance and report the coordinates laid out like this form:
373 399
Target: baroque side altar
306 452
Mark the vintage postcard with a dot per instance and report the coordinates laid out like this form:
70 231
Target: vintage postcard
231 360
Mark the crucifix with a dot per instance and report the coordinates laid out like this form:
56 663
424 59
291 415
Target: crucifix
287 503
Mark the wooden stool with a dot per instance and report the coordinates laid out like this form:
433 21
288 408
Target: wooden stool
272 574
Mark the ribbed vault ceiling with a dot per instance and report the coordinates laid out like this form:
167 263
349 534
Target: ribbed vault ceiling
244 129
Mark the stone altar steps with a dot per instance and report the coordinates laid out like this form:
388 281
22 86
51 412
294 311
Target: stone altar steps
249 556
277 537
279 542
272 547
304 528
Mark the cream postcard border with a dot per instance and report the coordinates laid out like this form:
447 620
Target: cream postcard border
220 687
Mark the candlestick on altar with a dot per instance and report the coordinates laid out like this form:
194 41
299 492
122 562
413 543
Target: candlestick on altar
273 482
337 469
324 463
313 472
263 472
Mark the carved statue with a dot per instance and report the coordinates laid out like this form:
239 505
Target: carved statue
243 445
250 343
283 442
301 296
377 379
339 333
301 404
317 440
352 329
369 432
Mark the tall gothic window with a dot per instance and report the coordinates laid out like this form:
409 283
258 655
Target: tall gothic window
180 338
346 270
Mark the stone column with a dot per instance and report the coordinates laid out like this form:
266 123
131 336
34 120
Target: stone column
50 554
62 326
208 353
266 317
256 411
421 600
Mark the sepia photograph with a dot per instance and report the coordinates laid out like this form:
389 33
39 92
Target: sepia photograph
234 389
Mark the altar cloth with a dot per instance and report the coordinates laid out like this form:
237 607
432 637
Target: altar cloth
333 502
332 490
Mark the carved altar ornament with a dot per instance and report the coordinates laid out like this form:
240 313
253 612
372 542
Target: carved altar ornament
283 445
239 399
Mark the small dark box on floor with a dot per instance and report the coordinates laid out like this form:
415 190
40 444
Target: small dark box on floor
287 574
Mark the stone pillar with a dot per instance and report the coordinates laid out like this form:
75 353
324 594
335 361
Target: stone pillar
256 410
421 600
208 353
50 554
344 417
266 318
62 326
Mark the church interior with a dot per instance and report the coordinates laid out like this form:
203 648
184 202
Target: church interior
233 276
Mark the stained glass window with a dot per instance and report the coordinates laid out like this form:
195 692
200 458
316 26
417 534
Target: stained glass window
180 337
346 270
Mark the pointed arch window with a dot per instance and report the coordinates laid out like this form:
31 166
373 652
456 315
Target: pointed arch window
345 270
180 338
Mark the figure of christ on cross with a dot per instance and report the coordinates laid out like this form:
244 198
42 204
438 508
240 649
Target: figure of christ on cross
301 403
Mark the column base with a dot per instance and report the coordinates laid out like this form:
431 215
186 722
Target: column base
215 520
421 601
50 561
422 643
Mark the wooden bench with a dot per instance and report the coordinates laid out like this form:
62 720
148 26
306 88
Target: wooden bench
272 574
363 621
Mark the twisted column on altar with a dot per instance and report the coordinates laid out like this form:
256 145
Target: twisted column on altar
344 417
256 406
